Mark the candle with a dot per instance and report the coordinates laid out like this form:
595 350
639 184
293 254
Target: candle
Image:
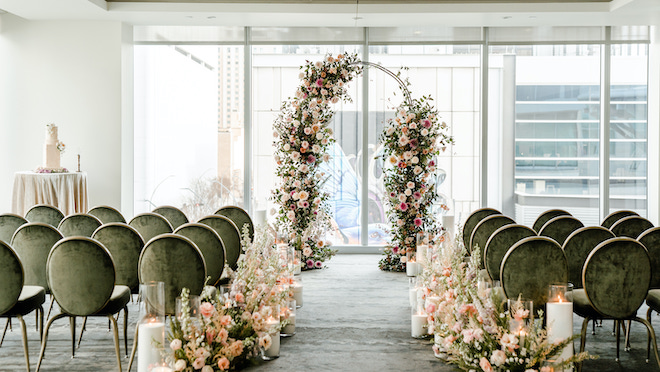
148 352
297 262
260 217
418 325
412 296
298 293
559 316
161 369
290 328
412 268
422 252
274 350
448 224
78 162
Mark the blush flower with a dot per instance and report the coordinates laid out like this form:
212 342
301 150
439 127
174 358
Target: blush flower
223 364
310 264
318 264
403 207
418 222
206 309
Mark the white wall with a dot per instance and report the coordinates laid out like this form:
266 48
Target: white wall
68 73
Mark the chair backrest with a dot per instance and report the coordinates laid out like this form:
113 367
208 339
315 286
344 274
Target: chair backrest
530 266
174 215
559 228
472 221
150 225
651 240
229 234
79 224
33 242
125 245
45 214
176 261
499 243
81 274
484 229
239 217
11 277
616 277
615 216
631 226
547 216
210 244
577 247
9 223
107 214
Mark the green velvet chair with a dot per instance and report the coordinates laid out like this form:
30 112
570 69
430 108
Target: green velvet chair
239 217
17 299
229 234
616 278
651 240
77 260
560 227
125 245
174 215
484 229
79 224
530 266
45 214
499 243
150 225
107 214
631 226
578 246
33 242
9 223
210 245
471 222
615 216
547 216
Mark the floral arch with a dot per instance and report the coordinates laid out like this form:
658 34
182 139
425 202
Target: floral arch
302 139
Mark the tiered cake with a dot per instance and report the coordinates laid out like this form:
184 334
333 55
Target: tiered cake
51 150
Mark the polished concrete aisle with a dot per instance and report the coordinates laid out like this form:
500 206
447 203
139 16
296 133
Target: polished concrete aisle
354 318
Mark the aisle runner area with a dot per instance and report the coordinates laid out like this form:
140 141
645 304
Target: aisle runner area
355 318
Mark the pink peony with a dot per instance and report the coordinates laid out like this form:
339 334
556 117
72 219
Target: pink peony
207 309
319 82
403 206
418 221
395 250
311 159
426 123
310 264
485 365
417 195
432 163
430 308
223 363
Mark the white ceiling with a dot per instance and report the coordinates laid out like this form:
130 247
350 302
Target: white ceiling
345 13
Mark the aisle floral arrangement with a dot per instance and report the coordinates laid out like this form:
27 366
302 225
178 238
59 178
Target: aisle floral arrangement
412 141
471 326
233 328
302 138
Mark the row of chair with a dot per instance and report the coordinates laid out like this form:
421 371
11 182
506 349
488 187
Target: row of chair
204 246
612 266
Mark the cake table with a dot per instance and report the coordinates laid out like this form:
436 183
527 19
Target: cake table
66 191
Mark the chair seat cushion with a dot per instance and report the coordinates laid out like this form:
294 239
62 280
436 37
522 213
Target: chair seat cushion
653 299
118 300
582 306
31 297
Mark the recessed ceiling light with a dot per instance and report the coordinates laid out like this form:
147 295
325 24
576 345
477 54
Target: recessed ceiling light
507 17
532 17
210 17
189 16
357 18
417 32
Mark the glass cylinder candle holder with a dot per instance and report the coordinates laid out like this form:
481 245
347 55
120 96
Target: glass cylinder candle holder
297 262
288 317
272 351
412 267
164 365
297 289
422 249
559 316
188 312
151 325
448 224
521 316
419 318
412 291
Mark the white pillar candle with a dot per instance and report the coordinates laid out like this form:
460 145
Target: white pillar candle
418 324
448 224
412 268
412 296
290 327
260 217
422 252
162 369
298 294
559 318
148 354
274 350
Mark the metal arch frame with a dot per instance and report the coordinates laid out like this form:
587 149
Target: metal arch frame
402 84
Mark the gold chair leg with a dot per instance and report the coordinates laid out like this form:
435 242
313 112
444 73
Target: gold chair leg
50 308
583 339
40 309
82 331
627 343
116 334
617 324
5 331
43 343
648 335
135 341
72 326
650 330
126 331
25 342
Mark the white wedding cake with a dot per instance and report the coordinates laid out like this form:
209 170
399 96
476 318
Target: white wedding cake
52 149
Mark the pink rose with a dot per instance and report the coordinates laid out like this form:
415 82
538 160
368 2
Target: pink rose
240 297
485 365
403 206
207 309
225 320
223 363
222 335
418 221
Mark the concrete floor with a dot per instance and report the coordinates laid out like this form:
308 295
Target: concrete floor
354 318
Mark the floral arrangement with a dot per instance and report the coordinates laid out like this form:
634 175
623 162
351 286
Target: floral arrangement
51 170
233 328
302 138
473 329
412 140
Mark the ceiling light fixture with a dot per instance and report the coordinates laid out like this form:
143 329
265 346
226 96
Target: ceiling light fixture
357 11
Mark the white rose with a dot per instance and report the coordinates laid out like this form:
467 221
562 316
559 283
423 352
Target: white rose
301 75
390 131
414 160
417 170
498 358
308 252
303 195
319 136
287 147
410 185
207 369
425 132
407 155
402 198
180 365
316 148
408 192
291 215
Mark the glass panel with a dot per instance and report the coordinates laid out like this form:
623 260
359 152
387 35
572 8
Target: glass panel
188 34
554 113
307 34
451 75
545 34
427 34
188 128
274 78
628 130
